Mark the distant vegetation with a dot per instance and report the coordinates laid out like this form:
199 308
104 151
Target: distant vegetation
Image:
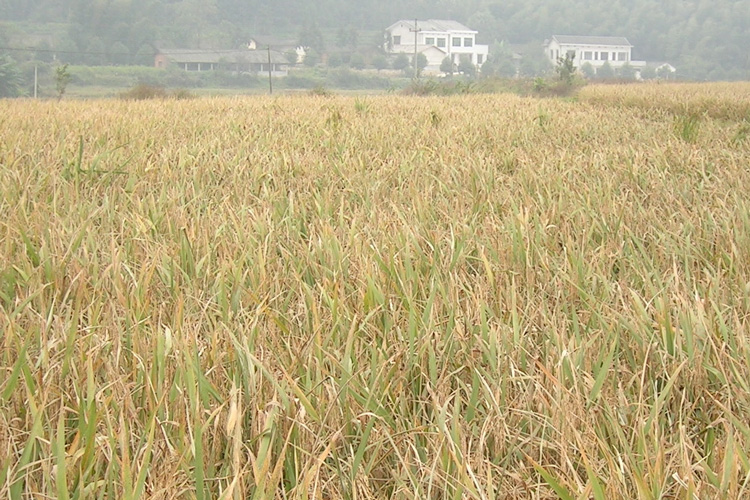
704 39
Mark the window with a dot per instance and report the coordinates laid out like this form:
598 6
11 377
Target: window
622 56
456 42
397 40
571 54
430 40
441 42
588 56
480 58
468 42
604 56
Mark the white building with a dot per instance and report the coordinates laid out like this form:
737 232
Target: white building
436 39
595 50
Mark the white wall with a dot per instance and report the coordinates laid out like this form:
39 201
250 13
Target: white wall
596 52
402 34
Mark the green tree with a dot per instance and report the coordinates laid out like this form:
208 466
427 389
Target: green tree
291 56
466 67
352 37
587 70
566 69
605 72
311 36
44 53
10 78
341 37
145 55
664 73
347 37
447 66
334 60
66 51
421 63
119 54
357 61
95 52
627 72
142 32
380 62
648 73
401 62
311 58
62 79
500 62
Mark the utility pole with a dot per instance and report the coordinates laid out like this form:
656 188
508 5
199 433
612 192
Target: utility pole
270 79
416 31
36 80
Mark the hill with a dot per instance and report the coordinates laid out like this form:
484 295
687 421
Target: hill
704 39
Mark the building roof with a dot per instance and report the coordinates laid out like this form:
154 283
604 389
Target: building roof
440 25
275 42
425 48
592 40
217 56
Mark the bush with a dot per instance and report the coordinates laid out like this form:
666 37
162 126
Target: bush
182 94
320 91
433 87
143 92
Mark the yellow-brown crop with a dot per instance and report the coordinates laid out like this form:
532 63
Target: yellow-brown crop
288 298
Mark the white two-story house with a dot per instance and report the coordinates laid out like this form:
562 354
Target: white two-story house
595 50
436 39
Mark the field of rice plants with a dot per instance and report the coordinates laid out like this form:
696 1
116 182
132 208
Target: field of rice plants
300 297
720 100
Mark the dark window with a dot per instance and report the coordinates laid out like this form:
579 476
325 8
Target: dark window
397 40
588 56
468 42
441 42
456 42
480 58
430 40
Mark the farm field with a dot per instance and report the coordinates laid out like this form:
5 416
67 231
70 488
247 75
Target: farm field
307 297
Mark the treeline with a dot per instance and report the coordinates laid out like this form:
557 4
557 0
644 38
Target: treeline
704 39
